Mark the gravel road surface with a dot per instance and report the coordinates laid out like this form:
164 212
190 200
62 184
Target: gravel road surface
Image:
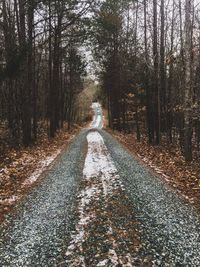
39 232
170 228
36 235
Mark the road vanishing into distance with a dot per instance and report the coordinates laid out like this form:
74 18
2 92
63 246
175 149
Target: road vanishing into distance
98 206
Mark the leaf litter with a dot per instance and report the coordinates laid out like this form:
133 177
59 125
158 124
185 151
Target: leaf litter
168 162
21 167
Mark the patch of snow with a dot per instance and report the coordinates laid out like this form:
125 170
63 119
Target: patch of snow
9 201
40 168
97 122
98 162
102 178
98 117
102 263
113 257
95 105
42 165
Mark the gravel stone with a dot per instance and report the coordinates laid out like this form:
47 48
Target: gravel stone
170 227
37 233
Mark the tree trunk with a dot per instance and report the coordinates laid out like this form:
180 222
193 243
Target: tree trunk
162 65
155 83
188 85
25 48
170 82
146 82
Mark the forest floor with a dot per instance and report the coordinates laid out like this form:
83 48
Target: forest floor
21 167
168 162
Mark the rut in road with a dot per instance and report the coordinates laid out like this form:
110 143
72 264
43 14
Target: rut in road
106 232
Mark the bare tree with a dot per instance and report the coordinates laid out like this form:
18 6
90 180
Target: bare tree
188 82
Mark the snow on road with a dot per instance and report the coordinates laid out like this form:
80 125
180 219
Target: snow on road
97 122
101 181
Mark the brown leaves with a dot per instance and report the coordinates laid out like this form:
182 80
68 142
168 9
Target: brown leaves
18 164
168 162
